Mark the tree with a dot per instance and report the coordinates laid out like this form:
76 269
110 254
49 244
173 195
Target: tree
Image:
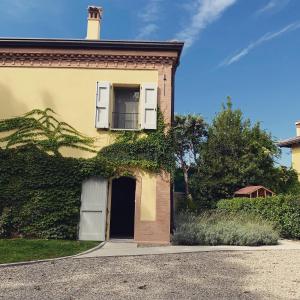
235 154
42 129
285 180
188 132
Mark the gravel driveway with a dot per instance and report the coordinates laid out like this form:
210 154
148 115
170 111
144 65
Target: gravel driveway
212 275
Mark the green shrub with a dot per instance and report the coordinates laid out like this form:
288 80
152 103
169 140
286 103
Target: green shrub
223 229
186 229
6 223
282 210
43 192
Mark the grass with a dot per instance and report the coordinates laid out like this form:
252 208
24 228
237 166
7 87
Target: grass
19 250
216 228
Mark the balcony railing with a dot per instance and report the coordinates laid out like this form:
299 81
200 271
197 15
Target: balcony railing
125 120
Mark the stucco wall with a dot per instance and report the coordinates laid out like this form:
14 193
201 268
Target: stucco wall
71 94
296 159
148 202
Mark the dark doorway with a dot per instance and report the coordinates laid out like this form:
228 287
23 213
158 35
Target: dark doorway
122 208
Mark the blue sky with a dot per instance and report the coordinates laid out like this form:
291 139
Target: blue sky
246 49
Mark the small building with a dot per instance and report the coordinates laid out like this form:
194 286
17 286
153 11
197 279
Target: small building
253 192
294 145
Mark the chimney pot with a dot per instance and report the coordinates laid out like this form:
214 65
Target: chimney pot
298 128
94 22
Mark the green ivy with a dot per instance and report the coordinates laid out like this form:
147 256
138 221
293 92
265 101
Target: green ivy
40 189
149 150
42 129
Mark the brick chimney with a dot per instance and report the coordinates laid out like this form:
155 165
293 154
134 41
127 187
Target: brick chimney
298 128
94 22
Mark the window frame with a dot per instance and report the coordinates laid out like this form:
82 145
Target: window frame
112 106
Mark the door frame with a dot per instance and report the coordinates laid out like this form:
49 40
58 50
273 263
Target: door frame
137 200
108 210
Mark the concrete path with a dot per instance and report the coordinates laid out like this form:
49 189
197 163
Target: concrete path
128 248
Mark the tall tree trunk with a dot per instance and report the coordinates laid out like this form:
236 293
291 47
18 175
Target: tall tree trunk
186 182
185 170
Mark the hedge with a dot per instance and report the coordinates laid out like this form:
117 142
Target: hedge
217 228
282 210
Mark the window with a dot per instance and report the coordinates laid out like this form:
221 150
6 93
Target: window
125 113
126 108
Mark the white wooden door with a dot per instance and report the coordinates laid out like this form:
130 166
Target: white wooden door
93 210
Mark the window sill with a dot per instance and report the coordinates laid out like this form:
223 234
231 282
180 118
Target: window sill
124 129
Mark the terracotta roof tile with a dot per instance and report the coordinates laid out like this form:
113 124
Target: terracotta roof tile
248 189
251 189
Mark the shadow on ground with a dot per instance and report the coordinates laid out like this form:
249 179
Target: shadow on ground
214 275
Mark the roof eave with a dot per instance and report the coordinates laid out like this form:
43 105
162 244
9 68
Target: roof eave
282 145
94 44
288 143
80 44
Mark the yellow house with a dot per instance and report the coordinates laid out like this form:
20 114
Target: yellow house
294 145
100 87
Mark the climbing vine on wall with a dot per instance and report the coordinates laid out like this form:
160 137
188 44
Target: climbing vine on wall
42 129
150 150
40 189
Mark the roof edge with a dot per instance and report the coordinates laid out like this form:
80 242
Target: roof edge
288 143
251 189
103 44
82 44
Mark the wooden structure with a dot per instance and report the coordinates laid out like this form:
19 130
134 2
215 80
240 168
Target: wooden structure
253 192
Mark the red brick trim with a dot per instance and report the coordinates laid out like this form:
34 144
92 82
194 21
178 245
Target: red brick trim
85 59
158 231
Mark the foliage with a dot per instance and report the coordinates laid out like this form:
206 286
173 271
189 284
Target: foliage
149 150
42 129
43 191
236 154
282 210
178 181
188 133
182 202
20 250
40 192
223 229
285 180
294 189
5 223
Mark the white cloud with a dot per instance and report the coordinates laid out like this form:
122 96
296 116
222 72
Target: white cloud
149 17
147 31
269 6
265 38
205 13
151 11
273 5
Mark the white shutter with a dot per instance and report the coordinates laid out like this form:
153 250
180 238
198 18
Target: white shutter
93 210
102 104
149 106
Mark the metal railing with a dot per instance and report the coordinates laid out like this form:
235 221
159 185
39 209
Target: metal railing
125 120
